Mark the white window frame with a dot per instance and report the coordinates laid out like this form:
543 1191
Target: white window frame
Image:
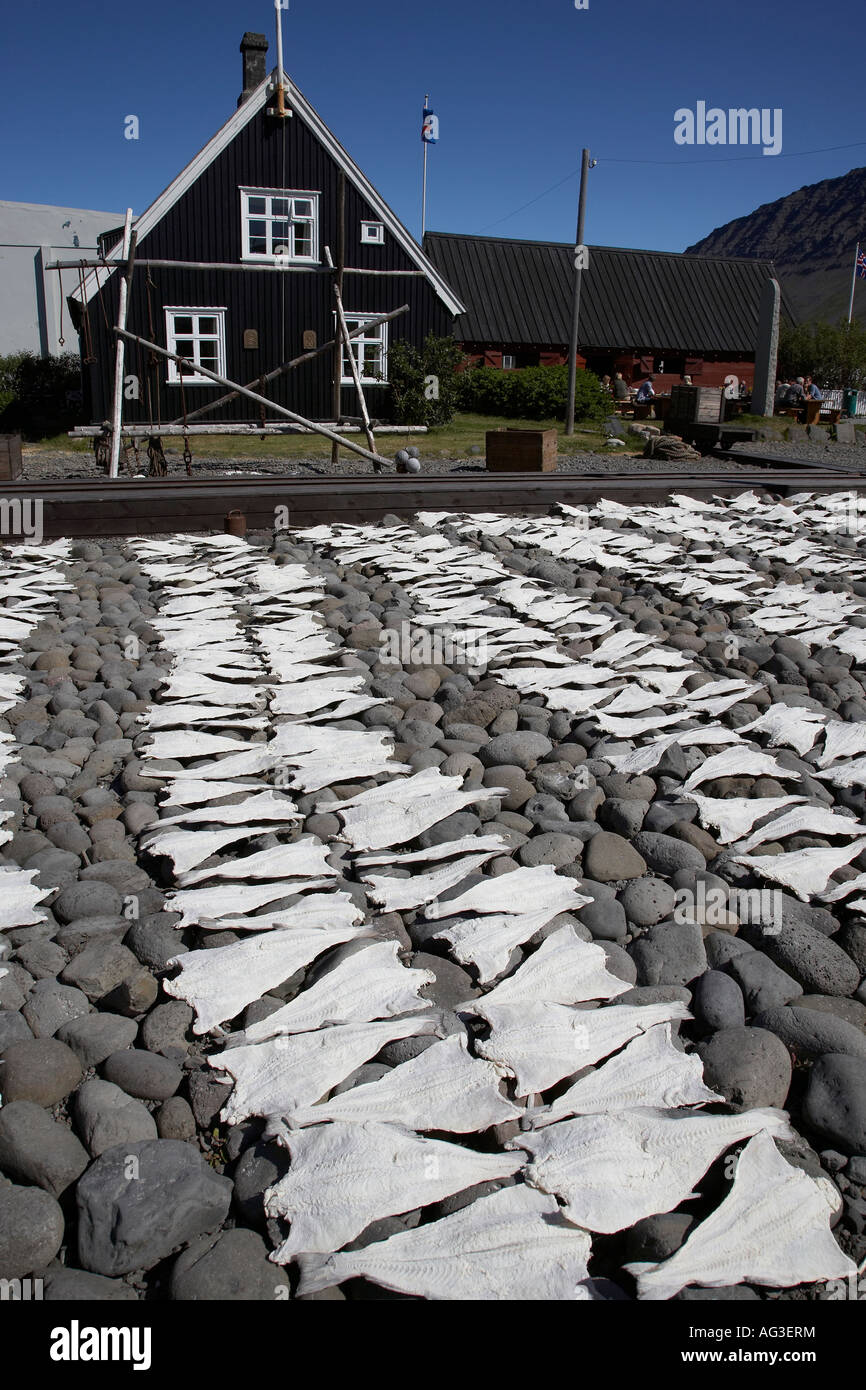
372 233
379 335
171 338
270 257
509 362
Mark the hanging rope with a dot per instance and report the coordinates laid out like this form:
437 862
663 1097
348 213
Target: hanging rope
153 360
187 452
86 331
158 466
60 338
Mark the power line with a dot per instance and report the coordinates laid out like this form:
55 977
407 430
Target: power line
667 163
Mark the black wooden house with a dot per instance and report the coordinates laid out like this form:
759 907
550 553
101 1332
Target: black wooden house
264 194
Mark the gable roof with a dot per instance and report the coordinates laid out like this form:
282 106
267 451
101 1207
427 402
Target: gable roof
521 292
223 138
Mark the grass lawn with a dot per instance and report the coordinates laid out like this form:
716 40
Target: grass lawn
454 441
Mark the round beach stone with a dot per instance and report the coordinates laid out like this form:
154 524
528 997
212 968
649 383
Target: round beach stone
50 1005
105 1116
92 899
610 859
100 967
523 749
549 848
812 1033
77 1286
764 984
42 1070
93 1037
750 1067
36 1149
819 965
666 854
31 1230
175 1120
718 1001
145 1075
647 900
670 953
835 1101
232 1266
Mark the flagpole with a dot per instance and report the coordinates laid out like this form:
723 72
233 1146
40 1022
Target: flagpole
424 192
853 283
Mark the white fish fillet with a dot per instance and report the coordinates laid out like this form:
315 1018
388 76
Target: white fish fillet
283 1074
808 819
807 871
443 1088
345 1176
526 889
190 791
187 848
843 890
734 816
612 1170
564 970
449 850
842 740
649 1073
399 810
541 1044
198 906
262 806
402 894
306 858
849 774
645 758
369 984
19 897
795 728
221 982
182 716
772 1228
737 762
507 1246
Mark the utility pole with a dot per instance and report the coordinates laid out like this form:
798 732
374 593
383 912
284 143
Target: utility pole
853 283
586 164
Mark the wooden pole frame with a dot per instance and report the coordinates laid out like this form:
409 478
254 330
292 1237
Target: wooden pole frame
251 395
120 351
337 383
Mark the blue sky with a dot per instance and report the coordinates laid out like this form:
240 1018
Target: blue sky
519 89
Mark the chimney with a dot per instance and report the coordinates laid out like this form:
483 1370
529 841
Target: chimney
254 48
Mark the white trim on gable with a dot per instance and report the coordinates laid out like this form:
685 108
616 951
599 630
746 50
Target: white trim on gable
95 279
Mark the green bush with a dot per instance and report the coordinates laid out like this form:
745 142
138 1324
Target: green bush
39 396
416 399
834 354
531 393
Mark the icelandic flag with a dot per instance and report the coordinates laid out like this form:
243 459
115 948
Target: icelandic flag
430 127
861 265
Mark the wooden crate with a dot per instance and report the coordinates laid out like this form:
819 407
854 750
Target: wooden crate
521 451
696 404
10 456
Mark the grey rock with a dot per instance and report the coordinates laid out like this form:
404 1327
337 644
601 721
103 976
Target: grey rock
155 941
810 1033
624 816
166 1028
609 858
671 953
36 1149
851 1010
654 994
77 1286
105 1116
750 1067
94 1037
42 1070
835 1101
453 985
259 1167
207 1096
125 1225
41 958
143 1074
100 967
93 899
175 1120
50 1005
656 1238
556 849
605 918
31 1230
719 1001
233 1266
667 855
647 900
813 959
764 984
619 962
523 749
451 828
13 1028
722 947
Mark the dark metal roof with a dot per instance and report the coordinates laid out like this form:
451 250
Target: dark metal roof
521 292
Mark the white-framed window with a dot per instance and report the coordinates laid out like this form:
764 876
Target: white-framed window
199 335
370 350
278 224
373 233
508 361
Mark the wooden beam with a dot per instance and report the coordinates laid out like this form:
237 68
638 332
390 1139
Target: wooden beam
129 239
337 366
195 367
242 429
281 268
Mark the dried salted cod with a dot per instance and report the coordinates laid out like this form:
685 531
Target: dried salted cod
773 1228
221 982
734 816
191 791
807 871
283 1074
808 819
795 728
306 858
487 942
402 894
313 910
201 906
631 728
368 984
344 1176
449 850
525 890
737 762
399 810
183 685
19 896
645 758
649 1073
443 1088
507 1246
185 716
564 970
849 774
257 808
844 890
842 740
187 848
540 1043
612 1170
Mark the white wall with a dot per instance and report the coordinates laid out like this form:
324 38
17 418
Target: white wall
32 235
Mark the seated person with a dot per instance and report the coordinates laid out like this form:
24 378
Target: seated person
794 393
620 390
645 391
812 391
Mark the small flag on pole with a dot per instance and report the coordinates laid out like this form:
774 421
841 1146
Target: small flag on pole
430 127
861 265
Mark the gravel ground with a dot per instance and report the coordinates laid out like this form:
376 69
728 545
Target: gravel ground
39 464
810 451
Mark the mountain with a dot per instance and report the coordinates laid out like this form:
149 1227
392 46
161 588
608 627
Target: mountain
811 235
